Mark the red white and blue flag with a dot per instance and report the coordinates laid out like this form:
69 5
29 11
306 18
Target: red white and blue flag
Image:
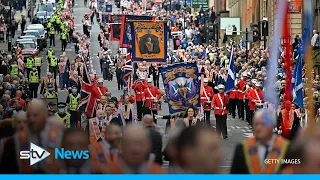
88 101
127 72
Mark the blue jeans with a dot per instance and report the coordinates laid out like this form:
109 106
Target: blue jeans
62 80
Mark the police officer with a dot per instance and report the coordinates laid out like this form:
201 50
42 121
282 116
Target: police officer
50 92
53 66
50 53
34 82
14 68
51 108
63 115
63 39
52 34
29 65
58 23
38 63
73 101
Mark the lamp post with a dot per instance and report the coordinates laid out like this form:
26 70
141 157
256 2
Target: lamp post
10 26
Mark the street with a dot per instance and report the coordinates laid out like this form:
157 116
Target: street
238 130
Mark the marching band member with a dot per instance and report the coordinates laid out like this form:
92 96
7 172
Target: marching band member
96 127
206 98
255 97
126 111
220 102
139 86
241 88
100 90
264 142
151 98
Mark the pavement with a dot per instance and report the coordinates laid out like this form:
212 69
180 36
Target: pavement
238 130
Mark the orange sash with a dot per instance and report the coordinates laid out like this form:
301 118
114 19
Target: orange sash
95 133
288 122
279 148
101 157
51 165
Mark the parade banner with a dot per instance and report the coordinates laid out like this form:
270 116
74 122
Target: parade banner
149 41
182 86
125 35
115 28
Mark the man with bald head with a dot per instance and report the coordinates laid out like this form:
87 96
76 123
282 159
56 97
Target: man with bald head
136 148
96 127
106 152
41 131
155 137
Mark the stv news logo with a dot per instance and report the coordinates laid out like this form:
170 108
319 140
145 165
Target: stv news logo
37 154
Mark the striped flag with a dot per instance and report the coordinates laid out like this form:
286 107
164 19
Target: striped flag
270 92
128 72
297 87
232 70
88 101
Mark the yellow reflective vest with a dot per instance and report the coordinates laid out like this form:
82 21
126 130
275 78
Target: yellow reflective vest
65 120
33 77
37 61
53 62
29 63
50 95
50 53
14 69
73 104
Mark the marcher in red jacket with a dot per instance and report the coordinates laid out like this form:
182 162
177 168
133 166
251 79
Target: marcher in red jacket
240 97
205 99
255 97
220 102
100 89
151 98
139 86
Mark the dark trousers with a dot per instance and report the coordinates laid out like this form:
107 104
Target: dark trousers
39 71
207 118
221 124
147 110
76 49
119 80
53 70
251 113
28 72
232 107
246 107
240 107
52 40
74 118
156 80
34 90
63 44
139 110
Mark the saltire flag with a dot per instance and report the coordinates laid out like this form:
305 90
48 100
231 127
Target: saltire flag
128 72
232 70
270 93
88 101
297 87
125 31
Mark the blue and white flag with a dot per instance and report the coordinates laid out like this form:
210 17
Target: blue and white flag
232 70
297 87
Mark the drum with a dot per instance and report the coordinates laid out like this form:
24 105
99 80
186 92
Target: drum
207 106
259 106
154 106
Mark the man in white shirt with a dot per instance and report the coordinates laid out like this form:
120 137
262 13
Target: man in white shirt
315 40
188 33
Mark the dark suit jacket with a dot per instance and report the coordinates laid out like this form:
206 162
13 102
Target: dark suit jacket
8 163
156 140
239 165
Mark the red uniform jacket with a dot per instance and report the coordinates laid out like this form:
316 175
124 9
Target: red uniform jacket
254 94
220 108
210 94
233 94
139 86
148 97
248 92
132 99
99 91
241 85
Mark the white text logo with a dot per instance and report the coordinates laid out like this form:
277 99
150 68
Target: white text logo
36 154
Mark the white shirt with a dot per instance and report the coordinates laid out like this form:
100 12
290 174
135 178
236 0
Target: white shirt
314 39
100 122
262 149
188 33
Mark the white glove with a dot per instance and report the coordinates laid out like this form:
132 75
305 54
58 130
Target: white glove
158 117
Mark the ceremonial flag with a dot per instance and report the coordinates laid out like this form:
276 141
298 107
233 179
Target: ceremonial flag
125 34
270 92
297 87
116 27
128 72
88 101
149 41
182 86
232 70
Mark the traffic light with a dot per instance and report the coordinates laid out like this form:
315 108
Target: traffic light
265 28
256 32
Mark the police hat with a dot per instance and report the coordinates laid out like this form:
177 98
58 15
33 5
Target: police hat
51 104
62 104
